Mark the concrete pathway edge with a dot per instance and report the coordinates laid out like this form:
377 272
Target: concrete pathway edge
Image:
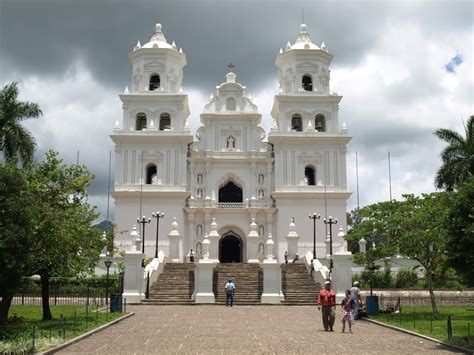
85 335
467 351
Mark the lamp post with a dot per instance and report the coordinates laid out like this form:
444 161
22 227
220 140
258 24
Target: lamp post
314 217
143 221
330 221
107 263
157 215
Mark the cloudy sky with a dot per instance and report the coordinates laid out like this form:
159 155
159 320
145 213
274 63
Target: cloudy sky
404 68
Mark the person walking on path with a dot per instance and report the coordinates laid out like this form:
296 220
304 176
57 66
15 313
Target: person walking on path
327 300
229 293
347 306
355 295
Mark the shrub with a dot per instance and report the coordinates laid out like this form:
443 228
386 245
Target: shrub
405 278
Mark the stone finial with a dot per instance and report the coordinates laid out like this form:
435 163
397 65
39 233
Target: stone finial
116 125
135 239
309 127
173 45
288 45
152 125
214 233
104 240
344 127
341 236
138 46
174 227
125 91
269 248
328 246
323 47
362 245
205 246
253 229
281 51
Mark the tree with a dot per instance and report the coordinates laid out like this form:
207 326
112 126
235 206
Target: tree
423 236
460 230
17 211
413 227
458 157
15 140
65 244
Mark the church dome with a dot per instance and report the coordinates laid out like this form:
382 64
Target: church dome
158 39
303 41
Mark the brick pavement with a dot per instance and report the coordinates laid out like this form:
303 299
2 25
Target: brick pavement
244 330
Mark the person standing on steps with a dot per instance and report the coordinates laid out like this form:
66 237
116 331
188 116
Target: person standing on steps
229 293
286 257
327 300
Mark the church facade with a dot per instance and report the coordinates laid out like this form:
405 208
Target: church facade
231 172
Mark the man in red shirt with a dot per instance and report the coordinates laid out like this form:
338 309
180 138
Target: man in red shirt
327 300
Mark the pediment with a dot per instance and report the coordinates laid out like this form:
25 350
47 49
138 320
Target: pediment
308 65
154 65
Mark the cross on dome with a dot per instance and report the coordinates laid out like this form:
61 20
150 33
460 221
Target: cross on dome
231 67
303 36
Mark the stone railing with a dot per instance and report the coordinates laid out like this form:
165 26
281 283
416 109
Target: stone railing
154 269
232 205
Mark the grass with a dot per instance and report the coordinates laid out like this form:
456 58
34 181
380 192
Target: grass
17 336
420 320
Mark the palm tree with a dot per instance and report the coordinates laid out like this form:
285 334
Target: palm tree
16 140
458 157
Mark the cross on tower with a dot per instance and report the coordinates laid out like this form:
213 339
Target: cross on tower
231 67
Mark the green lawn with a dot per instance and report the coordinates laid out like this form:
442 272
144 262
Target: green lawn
17 336
419 320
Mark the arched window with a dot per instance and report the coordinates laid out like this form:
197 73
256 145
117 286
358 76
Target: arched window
154 82
140 122
151 174
320 123
230 104
296 123
307 82
230 192
165 122
309 175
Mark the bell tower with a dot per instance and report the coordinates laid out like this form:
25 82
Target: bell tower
151 141
309 141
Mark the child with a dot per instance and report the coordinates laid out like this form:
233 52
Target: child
347 310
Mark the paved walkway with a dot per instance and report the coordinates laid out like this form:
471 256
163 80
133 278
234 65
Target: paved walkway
244 330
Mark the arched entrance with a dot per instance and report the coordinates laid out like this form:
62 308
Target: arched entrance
230 248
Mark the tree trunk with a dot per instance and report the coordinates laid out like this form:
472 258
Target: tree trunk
5 307
45 297
434 307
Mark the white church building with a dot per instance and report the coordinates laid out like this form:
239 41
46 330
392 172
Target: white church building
231 171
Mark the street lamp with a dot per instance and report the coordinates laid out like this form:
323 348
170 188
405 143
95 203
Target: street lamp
157 215
314 217
107 263
143 221
330 221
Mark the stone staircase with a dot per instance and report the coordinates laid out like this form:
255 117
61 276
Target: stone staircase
248 279
297 286
174 286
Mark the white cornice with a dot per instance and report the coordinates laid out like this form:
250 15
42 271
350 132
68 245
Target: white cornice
146 195
308 138
141 137
310 195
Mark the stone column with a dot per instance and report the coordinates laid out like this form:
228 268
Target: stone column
252 243
191 232
203 276
214 242
292 240
271 276
133 277
174 238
